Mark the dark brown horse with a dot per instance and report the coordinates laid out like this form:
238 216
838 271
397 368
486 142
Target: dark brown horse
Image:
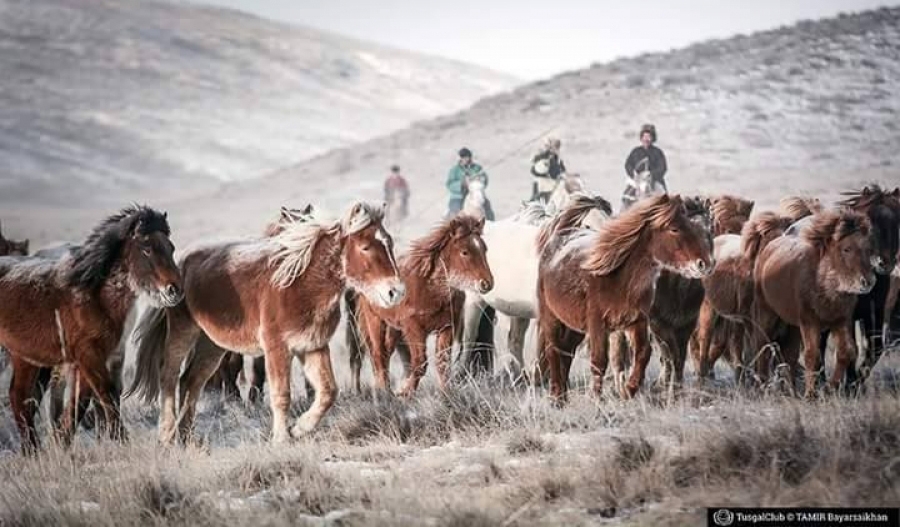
73 310
225 378
593 283
676 305
730 213
811 281
437 271
725 313
277 297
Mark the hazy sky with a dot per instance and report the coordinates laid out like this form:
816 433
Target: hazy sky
534 39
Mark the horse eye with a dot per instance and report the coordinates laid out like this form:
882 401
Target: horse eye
674 230
364 248
465 252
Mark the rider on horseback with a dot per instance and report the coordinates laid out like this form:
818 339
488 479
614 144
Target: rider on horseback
652 159
546 169
463 172
396 185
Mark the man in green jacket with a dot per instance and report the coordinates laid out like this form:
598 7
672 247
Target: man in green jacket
464 171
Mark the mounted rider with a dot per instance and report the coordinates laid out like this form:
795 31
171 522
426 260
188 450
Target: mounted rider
458 179
396 185
648 157
546 169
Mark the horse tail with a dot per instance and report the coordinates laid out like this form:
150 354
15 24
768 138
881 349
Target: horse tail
150 333
759 231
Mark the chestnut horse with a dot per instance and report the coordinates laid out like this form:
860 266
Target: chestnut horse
725 313
73 310
811 281
673 315
730 213
225 378
592 283
437 270
277 296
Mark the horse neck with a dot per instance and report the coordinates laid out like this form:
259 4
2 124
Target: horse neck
116 295
640 269
433 285
327 262
827 283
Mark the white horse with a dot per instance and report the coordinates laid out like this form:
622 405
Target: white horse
513 258
566 186
643 183
476 203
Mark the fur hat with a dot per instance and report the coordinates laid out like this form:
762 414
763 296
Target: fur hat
552 142
465 152
648 128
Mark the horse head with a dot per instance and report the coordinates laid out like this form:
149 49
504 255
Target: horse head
368 256
845 248
476 198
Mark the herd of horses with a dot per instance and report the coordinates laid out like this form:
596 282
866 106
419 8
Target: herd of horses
701 277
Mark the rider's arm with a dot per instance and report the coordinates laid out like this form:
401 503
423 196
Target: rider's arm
660 170
454 180
629 165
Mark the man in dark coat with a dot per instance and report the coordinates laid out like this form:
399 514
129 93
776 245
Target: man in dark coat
649 154
546 168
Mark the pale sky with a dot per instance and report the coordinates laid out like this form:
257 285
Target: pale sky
536 39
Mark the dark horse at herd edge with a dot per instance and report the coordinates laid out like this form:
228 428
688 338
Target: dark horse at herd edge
699 277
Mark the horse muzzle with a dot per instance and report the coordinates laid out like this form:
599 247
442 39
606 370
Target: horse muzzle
170 295
879 265
388 293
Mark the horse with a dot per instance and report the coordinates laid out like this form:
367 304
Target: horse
892 322
275 297
644 184
730 213
513 258
566 186
593 283
437 270
798 207
73 310
675 308
810 282
476 203
726 310
225 378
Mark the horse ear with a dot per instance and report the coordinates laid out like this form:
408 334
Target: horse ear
896 192
166 215
138 227
308 209
866 191
285 213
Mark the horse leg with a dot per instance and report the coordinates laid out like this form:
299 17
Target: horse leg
206 360
569 342
278 372
443 355
640 341
318 371
92 369
618 352
80 396
682 339
518 327
668 359
599 343
23 405
473 309
354 343
257 380
823 350
183 335
550 331
812 337
706 325
845 349
415 338
374 331
763 327
481 359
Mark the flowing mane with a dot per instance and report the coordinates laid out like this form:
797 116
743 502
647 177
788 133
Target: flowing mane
799 207
760 230
730 213
93 261
423 252
570 216
300 235
620 236
288 215
532 213
871 195
834 225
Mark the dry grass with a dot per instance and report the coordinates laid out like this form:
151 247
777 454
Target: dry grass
480 456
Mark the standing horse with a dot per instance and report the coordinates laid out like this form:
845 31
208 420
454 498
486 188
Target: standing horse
725 314
437 270
676 306
513 258
593 283
278 296
811 281
73 310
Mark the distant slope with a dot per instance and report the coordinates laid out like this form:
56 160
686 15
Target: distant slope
808 108
100 100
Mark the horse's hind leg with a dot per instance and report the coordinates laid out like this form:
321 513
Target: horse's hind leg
318 371
640 340
23 404
518 327
257 380
92 369
183 335
205 360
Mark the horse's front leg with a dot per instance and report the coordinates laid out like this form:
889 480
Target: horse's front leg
183 335
22 404
443 355
278 373
415 338
599 336
518 328
93 370
374 331
845 349
318 371
812 336
206 360
640 341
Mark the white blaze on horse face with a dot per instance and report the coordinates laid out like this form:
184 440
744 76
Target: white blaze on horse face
381 236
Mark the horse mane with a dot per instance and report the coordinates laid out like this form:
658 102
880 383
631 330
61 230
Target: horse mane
287 214
300 235
423 252
619 236
572 213
869 196
759 231
697 206
799 207
730 213
532 213
93 262
834 225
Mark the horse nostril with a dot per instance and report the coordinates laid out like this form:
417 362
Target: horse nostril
172 290
701 265
485 286
865 282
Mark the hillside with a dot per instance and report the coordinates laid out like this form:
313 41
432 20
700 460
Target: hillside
809 108
104 100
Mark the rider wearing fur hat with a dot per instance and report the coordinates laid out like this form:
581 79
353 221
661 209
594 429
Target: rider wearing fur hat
546 169
463 172
647 153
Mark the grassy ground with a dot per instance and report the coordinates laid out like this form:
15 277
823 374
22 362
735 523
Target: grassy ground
485 455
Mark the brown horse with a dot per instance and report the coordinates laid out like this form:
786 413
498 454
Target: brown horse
727 305
673 315
277 296
811 281
225 378
592 283
730 213
437 271
799 207
73 310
